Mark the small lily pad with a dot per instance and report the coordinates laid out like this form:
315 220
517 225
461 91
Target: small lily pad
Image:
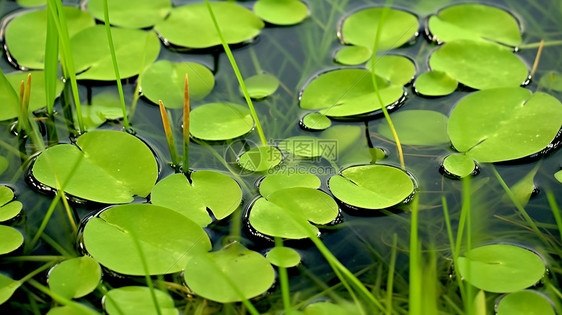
281 12
75 278
459 165
316 121
526 302
11 239
237 24
164 80
417 127
397 69
166 238
501 268
133 300
231 274
131 13
220 121
261 85
260 159
371 186
283 257
8 209
353 55
7 286
207 190
558 176
283 180
435 83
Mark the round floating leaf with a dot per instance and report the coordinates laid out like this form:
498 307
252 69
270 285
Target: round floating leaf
237 24
231 274
479 64
371 186
558 176
283 257
220 121
75 278
347 92
215 191
166 238
552 80
134 300
501 268
260 159
524 302
11 239
131 13
26 35
164 80
360 28
7 286
504 124
435 83
6 195
105 166
281 12
283 180
261 85
353 55
91 54
417 127
475 22
459 165
399 70
316 121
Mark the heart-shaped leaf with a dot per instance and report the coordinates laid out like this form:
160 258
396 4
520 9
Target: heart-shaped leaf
220 121
131 13
75 278
134 300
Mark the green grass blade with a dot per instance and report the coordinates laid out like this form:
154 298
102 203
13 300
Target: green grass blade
415 302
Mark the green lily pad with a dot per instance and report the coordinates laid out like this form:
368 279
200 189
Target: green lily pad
360 28
326 308
105 106
504 124
231 274
8 209
501 268
260 159
479 65
459 165
208 190
237 24
11 239
417 127
371 186
167 239
7 286
220 121
347 92
283 180
283 257
131 13
26 35
261 85
75 309
399 70
475 22
164 80
75 278
316 121
353 55
92 57
526 302
281 12
104 166
558 176
133 300
31 3
435 83
552 80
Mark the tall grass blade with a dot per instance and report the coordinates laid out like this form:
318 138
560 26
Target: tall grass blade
51 75
415 302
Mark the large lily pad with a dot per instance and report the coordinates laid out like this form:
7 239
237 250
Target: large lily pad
166 238
8 209
164 80
75 278
526 302
371 186
104 166
281 12
417 127
231 274
220 121
26 34
131 13
207 190
501 268
134 300
92 57
11 239
504 124
7 287
237 24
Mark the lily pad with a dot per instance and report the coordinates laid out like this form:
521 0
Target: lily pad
281 12
435 83
208 190
261 85
166 238
325 308
283 257
75 278
316 121
237 24
459 165
501 268
231 274
26 34
417 127
133 300
283 180
104 166
31 3
526 302
475 22
92 57
220 121
504 124
360 28
11 239
131 13
558 176
479 65
371 186
164 80
353 55
75 309
7 287
8 209
397 69
260 159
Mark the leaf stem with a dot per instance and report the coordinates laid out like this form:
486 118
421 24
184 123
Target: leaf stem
186 111
537 58
169 135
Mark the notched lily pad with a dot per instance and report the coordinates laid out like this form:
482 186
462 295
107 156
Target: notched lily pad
417 127
11 238
220 121
281 12
9 209
315 121
526 302
435 83
261 85
131 13
75 277
133 300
